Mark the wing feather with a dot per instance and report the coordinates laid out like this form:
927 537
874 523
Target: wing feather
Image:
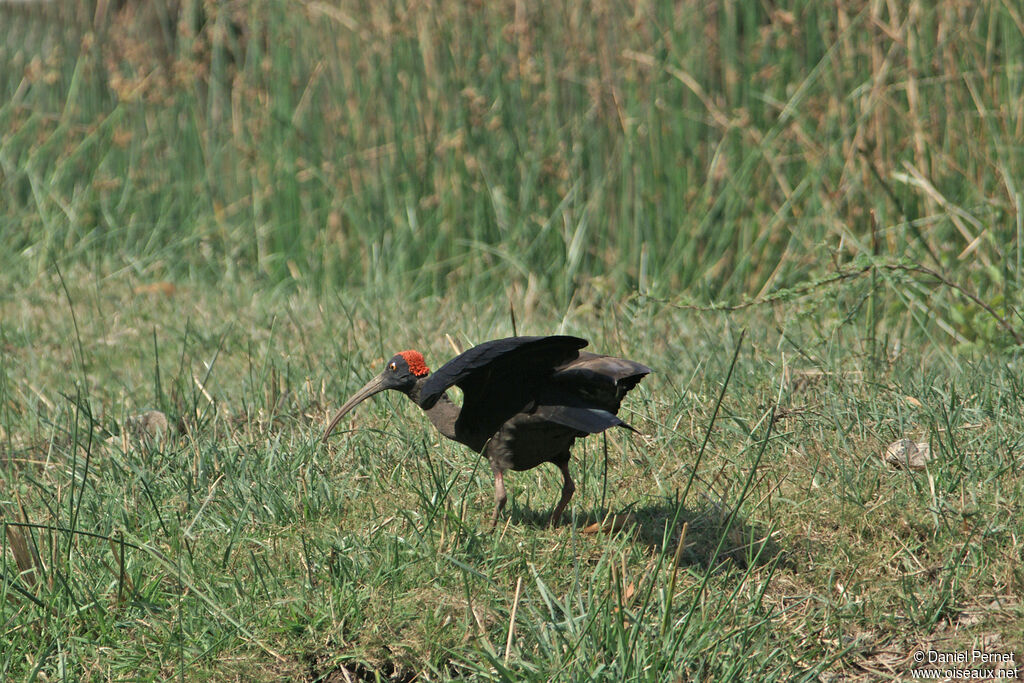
586 420
495 369
604 380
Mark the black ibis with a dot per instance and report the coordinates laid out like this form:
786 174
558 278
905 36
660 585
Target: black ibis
525 401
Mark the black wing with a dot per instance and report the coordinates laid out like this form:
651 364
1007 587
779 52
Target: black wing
586 420
600 381
500 372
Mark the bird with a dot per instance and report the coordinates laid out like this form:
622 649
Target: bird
525 401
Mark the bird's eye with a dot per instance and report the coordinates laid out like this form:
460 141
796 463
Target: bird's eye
393 366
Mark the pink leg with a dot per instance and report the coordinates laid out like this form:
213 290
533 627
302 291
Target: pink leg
499 496
568 488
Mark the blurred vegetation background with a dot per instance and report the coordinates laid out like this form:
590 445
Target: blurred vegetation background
701 152
806 217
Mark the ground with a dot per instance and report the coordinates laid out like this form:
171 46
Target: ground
236 544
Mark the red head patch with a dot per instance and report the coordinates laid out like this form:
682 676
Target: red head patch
414 359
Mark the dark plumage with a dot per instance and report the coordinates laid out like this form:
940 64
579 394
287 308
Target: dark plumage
525 401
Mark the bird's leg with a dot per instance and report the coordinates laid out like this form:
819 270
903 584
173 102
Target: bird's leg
499 495
568 488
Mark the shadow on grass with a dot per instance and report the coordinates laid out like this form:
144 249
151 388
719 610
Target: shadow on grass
323 667
711 538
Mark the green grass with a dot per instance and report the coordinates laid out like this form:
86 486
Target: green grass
241 546
233 213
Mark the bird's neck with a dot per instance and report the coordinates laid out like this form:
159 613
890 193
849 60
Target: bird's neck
442 414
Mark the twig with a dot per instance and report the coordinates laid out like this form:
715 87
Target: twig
924 270
782 294
848 274
457 347
512 618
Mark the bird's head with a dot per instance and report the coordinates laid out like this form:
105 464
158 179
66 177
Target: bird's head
401 373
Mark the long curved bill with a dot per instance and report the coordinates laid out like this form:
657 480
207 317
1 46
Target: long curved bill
374 386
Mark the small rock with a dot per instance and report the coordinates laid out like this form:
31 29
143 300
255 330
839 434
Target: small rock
907 454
